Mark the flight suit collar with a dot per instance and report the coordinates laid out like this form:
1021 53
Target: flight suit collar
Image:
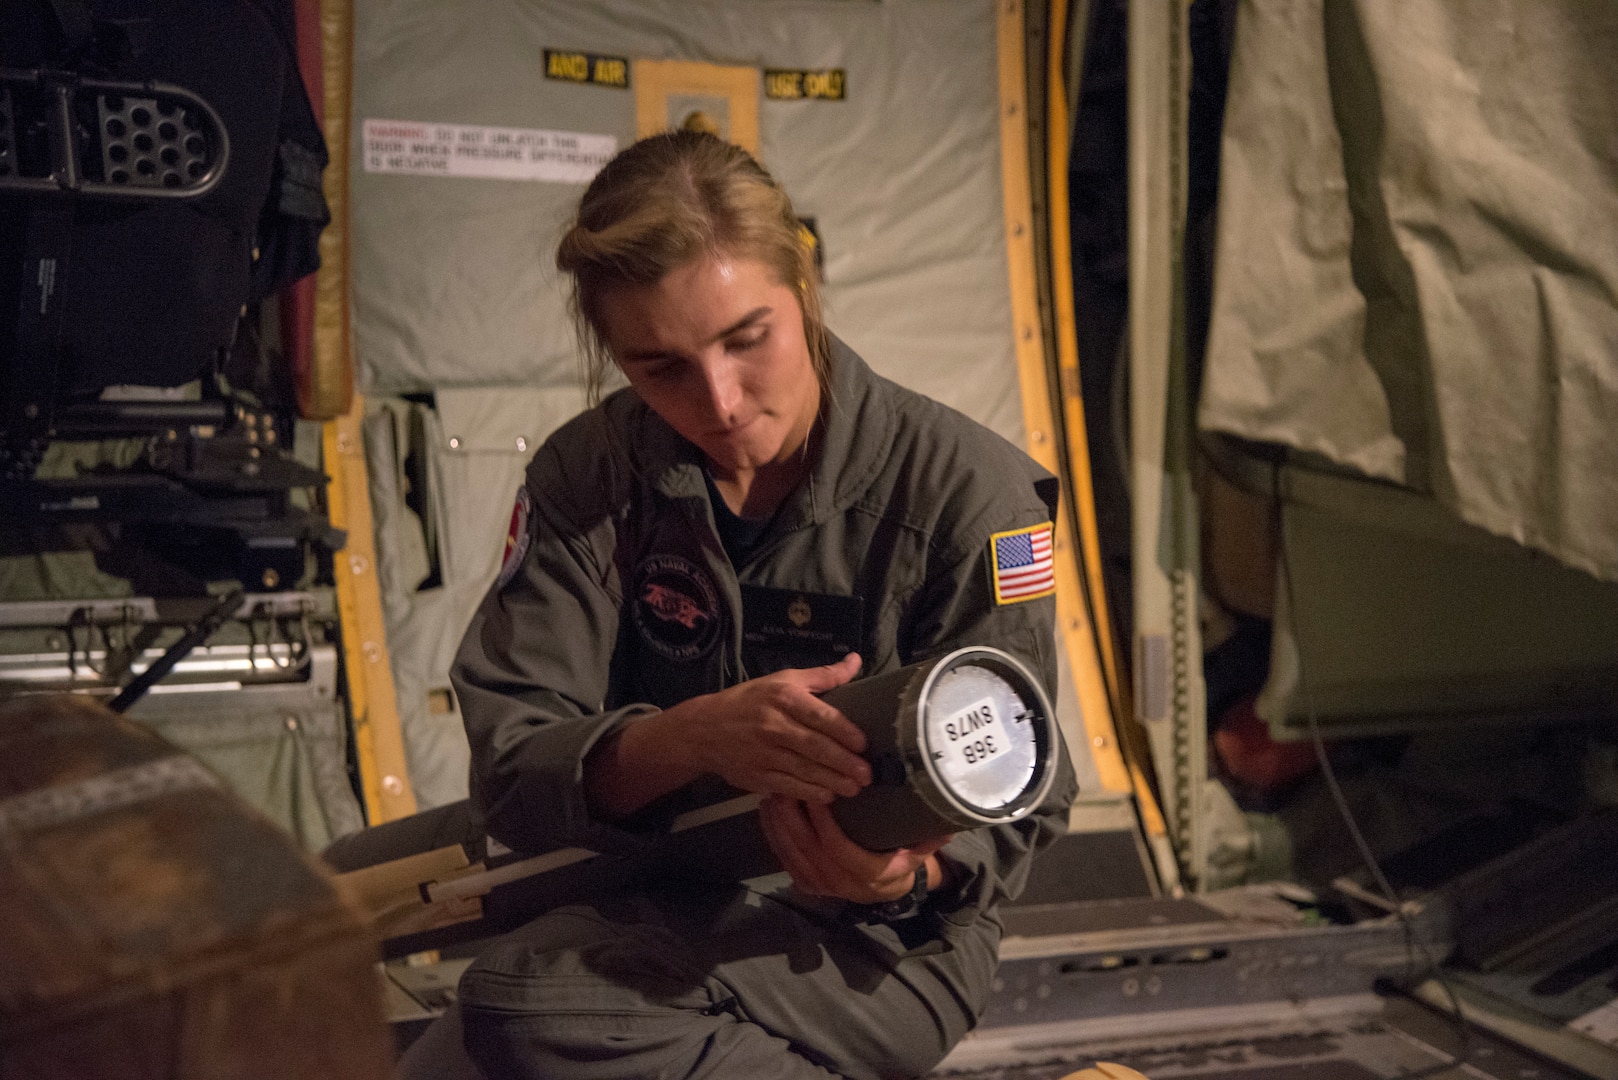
857 427
675 466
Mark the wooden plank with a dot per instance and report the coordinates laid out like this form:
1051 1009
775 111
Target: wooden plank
378 741
1096 729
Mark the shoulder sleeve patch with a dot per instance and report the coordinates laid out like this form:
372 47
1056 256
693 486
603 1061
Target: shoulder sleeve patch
517 537
1023 566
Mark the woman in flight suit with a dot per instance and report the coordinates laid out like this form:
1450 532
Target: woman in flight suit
756 519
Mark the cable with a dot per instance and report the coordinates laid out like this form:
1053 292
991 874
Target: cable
222 609
1415 940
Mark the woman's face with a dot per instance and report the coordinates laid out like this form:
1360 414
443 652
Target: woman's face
716 348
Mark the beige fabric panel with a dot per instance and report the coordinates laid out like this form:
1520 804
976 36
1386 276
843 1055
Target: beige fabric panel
453 280
444 479
289 762
1418 257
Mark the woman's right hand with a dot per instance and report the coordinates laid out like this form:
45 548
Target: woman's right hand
773 736
769 735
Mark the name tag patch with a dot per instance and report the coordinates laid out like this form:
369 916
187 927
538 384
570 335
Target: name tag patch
789 628
1022 564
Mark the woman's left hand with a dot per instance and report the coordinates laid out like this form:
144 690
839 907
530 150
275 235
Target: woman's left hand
823 861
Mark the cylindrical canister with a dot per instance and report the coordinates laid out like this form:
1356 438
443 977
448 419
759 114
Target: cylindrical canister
957 743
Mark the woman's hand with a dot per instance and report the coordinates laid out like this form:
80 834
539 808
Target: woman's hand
773 736
769 735
823 861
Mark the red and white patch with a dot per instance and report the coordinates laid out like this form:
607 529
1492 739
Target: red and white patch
517 537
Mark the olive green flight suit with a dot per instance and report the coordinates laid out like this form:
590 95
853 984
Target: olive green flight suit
618 599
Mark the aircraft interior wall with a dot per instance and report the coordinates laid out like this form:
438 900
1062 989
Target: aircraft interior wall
1333 399
464 345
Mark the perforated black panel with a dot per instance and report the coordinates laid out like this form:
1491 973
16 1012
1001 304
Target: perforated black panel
146 142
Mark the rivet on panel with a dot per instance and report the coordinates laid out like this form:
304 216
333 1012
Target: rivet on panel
393 785
358 564
522 444
1100 742
454 443
292 723
372 652
1028 333
1018 229
345 443
1011 109
1036 435
1075 623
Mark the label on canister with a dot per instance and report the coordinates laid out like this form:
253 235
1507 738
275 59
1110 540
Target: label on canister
983 747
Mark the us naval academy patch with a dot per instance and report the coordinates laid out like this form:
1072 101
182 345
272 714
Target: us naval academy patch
517 537
676 607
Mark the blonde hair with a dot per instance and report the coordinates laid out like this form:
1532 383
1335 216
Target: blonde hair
667 200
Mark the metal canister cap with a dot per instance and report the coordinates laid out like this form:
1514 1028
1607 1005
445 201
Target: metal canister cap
979 737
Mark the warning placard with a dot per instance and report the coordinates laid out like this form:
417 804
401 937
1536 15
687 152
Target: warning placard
587 68
791 84
493 153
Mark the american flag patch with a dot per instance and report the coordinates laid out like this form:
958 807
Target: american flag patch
1023 566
